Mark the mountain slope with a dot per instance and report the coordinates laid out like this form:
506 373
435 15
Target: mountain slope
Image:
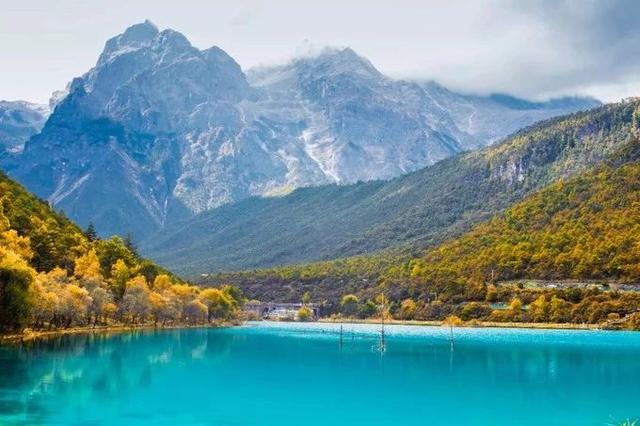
416 210
490 118
52 240
19 121
40 247
159 130
53 275
583 228
583 233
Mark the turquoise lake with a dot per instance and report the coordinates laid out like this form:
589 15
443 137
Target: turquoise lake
300 374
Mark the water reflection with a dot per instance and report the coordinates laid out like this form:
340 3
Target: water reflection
253 377
92 365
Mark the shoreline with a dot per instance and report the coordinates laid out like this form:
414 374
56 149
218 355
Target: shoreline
470 324
31 335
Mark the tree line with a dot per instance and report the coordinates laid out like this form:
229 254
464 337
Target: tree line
55 275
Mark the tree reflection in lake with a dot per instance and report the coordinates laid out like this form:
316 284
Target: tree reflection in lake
87 366
279 373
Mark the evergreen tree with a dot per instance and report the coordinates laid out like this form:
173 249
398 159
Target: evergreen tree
91 232
130 243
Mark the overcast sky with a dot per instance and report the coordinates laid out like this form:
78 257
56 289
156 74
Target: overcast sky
535 49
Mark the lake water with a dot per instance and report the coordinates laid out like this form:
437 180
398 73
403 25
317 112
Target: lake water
299 374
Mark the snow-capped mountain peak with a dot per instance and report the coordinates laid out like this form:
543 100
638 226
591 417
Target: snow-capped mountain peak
133 38
334 61
158 130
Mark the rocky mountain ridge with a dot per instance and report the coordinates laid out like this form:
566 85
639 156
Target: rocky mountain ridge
403 215
19 120
159 130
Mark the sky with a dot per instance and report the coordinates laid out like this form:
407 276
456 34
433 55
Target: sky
534 49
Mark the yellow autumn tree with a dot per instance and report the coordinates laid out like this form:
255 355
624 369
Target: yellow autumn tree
219 305
16 243
120 274
135 303
88 266
160 307
407 309
162 282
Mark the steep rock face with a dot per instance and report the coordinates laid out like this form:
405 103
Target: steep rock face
19 120
358 124
410 212
159 130
113 150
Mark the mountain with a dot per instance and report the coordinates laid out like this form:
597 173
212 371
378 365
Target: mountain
113 150
19 120
359 124
490 118
568 253
413 211
159 130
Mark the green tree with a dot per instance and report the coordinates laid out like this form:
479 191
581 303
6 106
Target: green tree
235 294
120 274
110 251
219 304
349 305
475 310
368 309
90 232
130 243
15 280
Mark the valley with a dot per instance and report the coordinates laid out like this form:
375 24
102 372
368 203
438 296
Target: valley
330 213
320 177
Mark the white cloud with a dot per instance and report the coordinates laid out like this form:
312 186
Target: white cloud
535 49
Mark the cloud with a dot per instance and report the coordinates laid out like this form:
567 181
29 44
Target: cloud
542 49
531 48
243 18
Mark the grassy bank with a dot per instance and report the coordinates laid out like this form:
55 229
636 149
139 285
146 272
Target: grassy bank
533 325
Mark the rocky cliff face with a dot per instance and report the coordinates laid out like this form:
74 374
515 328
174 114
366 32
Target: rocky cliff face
159 130
357 123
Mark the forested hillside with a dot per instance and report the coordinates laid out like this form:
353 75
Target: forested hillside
586 228
53 274
412 212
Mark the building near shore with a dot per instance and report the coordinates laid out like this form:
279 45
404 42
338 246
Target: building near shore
278 311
